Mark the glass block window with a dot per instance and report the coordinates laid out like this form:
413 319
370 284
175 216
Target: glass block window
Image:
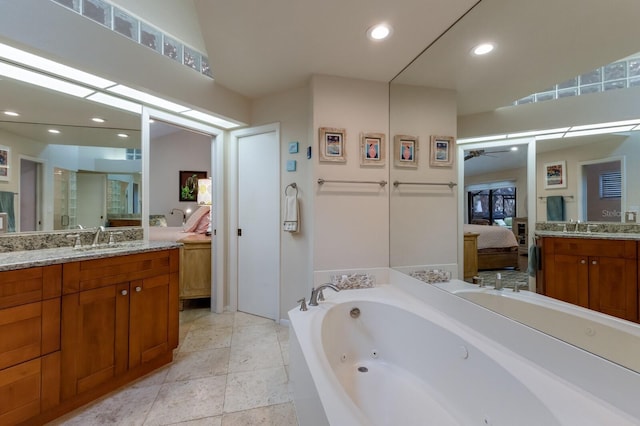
172 48
126 24
133 154
97 10
150 37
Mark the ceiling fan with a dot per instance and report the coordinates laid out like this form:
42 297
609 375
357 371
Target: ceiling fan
481 152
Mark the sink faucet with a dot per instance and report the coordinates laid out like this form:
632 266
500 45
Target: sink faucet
99 229
316 293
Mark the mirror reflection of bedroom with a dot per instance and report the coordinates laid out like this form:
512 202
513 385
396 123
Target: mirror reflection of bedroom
495 220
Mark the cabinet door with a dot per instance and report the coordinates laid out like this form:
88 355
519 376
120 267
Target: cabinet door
567 278
20 392
95 326
149 319
613 287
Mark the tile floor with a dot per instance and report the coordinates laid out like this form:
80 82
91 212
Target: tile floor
229 369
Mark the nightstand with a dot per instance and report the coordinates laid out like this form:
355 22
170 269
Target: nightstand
195 268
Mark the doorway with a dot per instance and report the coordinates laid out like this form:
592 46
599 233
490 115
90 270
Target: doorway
255 272
30 195
601 190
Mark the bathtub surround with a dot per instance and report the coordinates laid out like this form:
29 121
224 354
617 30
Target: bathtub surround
548 381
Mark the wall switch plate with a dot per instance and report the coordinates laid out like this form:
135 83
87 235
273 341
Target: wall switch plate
291 165
293 147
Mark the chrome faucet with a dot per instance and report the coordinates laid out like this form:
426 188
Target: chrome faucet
316 293
99 229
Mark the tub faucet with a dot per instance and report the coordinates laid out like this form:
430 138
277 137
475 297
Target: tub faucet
316 293
99 229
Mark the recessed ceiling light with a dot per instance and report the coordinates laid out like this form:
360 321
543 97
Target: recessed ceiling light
12 113
123 135
98 120
483 49
514 148
379 32
54 131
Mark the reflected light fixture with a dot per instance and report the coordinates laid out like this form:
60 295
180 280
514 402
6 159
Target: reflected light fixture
98 120
123 135
379 32
12 113
483 49
54 131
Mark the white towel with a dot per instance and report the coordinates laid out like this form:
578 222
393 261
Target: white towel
291 213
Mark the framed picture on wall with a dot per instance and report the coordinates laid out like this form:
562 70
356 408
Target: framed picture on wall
5 159
332 144
555 175
188 181
405 151
441 154
372 149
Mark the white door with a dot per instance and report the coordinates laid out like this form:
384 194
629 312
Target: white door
92 190
258 240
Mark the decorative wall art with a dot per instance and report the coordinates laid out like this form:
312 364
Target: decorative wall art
372 149
332 144
405 151
555 175
188 181
5 152
442 151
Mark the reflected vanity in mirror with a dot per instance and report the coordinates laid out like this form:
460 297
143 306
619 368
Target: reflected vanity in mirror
484 91
73 163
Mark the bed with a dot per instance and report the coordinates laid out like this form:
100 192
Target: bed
198 223
497 246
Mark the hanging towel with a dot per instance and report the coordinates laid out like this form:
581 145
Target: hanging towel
6 206
555 208
533 260
291 213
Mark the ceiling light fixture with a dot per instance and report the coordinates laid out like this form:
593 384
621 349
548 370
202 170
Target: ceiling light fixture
116 102
514 148
31 77
54 131
379 32
211 119
483 49
147 98
98 120
123 135
11 113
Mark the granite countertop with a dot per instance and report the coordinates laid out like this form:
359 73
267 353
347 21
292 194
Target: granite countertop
51 256
593 235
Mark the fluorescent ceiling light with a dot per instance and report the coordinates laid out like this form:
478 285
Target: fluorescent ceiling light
207 118
610 124
483 49
598 131
115 102
147 98
482 139
550 136
12 113
16 55
41 80
537 132
379 32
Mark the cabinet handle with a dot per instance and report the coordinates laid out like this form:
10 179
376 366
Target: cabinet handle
583 261
124 292
594 262
138 289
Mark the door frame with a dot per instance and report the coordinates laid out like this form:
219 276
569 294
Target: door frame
236 135
41 191
582 190
218 252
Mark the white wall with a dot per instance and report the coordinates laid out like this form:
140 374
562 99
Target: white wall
424 218
183 150
293 110
351 222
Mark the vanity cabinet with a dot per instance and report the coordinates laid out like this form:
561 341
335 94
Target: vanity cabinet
29 342
598 274
118 315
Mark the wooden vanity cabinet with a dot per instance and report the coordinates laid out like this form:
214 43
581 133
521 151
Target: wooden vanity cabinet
119 314
598 274
29 342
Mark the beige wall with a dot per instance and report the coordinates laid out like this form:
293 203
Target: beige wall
351 221
423 219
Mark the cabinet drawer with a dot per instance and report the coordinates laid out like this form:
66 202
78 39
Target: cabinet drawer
592 247
28 285
20 392
28 331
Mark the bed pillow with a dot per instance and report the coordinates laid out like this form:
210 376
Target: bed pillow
194 219
203 225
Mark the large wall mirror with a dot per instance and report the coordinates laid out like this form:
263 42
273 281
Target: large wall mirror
538 46
71 162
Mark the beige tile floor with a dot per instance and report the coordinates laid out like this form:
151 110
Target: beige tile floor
229 369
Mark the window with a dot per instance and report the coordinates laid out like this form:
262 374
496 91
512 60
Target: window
492 204
611 184
134 154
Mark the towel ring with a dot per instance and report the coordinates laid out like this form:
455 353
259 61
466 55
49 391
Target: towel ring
292 185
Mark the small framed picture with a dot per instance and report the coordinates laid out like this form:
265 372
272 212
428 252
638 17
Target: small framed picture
555 175
442 149
405 151
332 144
372 149
4 162
188 181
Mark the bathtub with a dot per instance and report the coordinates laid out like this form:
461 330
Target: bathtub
400 361
613 338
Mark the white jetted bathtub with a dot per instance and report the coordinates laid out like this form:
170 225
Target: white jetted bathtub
613 338
383 357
